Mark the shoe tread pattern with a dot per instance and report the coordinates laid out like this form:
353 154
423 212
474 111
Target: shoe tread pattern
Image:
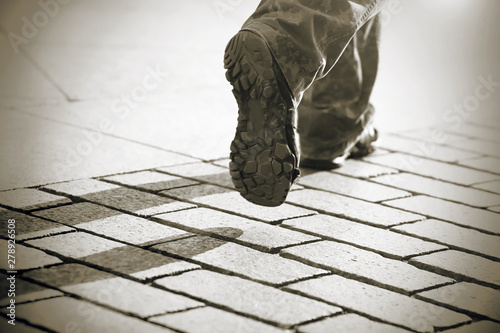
262 165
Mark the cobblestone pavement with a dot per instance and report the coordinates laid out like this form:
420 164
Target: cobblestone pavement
391 243
135 230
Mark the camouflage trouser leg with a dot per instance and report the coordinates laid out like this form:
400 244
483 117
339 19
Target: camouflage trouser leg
335 110
330 46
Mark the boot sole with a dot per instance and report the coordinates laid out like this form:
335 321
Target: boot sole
263 165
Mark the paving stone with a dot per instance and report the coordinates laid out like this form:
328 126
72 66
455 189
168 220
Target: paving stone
377 152
436 188
264 267
449 211
193 170
461 265
423 148
64 314
173 206
20 327
433 134
296 187
495 209
366 266
484 123
121 198
77 213
133 297
490 164
249 297
477 131
208 320
30 199
467 297
81 187
385 242
132 201
196 191
80 214
360 169
351 187
28 227
452 235
25 258
351 208
173 268
204 172
139 263
150 180
490 186
242 230
483 326
351 323
116 292
433 169
67 275
478 146
133 230
190 247
25 291
75 245
380 303
234 202
222 163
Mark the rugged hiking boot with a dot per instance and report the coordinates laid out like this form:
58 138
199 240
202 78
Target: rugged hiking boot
362 147
264 154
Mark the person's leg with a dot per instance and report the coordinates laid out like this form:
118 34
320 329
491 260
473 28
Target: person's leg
308 37
282 48
335 116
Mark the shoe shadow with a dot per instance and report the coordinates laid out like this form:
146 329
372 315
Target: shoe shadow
132 261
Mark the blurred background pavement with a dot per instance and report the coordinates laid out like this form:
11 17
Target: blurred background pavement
90 88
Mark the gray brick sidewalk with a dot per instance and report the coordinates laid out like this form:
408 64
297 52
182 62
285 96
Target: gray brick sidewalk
415 254
145 233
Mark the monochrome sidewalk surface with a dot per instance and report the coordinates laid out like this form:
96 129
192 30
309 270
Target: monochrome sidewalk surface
117 193
206 258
